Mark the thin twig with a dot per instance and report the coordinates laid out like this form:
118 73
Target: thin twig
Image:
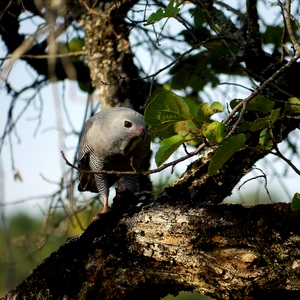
45 56
280 155
265 185
164 166
177 18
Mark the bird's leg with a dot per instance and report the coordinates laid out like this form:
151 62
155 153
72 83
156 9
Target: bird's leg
105 205
103 188
104 210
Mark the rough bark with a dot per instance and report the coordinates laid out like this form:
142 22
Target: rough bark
113 73
226 251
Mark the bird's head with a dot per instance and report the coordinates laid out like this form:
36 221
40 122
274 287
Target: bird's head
136 135
123 130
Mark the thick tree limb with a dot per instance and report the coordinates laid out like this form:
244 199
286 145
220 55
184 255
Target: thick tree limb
227 251
180 241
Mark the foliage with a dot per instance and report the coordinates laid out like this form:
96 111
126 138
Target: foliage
225 151
192 123
296 202
170 11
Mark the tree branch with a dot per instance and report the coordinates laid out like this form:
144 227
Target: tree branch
227 251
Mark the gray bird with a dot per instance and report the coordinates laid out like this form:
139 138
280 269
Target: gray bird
115 139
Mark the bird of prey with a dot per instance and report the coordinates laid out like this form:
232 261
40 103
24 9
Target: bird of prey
115 139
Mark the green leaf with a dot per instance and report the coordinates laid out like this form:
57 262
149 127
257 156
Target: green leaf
167 148
267 121
293 105
261 103
84 86
265 141
170 11
217 107
204 112
186 127
199 16
260 123
193 107
273 35
166 109
155 17
193 71
76 44
275 115
214 132
225 151
235 102
296 202
244 126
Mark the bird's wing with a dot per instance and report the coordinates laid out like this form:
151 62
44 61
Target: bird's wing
86 181
84 147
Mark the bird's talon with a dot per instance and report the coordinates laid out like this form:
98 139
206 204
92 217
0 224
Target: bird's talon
96 217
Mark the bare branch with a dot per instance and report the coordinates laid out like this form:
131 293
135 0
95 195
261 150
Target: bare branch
164 166
57 55
289 27
265 184
279 154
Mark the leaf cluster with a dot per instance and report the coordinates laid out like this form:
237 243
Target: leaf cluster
178 120
170 11
181 120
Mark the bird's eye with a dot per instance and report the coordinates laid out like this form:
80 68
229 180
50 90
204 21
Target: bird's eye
127 124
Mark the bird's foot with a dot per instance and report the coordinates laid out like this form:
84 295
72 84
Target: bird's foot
98 215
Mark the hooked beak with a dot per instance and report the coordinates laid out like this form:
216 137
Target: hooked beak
141 132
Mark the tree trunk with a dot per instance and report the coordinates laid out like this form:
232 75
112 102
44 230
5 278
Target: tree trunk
113 72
